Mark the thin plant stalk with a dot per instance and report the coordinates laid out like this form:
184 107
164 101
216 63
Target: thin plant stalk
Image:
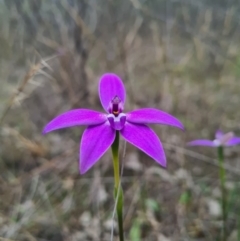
118 192
222 176
238 223
238 216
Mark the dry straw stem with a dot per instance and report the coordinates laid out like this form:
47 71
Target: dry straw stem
54 163
36 68
198 36
79 21
202 157
31 146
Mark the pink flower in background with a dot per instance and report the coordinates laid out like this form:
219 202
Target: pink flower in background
102 127
221 139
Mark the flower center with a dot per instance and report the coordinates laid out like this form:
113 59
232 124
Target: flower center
224 139
115 117
115 106
117 122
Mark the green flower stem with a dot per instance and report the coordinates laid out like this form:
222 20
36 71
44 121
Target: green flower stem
238 223
118 192
222 176
115 149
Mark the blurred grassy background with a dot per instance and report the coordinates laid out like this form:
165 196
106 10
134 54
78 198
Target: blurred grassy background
181 56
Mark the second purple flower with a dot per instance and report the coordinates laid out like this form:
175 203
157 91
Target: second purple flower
102 127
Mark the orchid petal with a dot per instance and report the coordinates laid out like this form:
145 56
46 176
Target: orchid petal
110 85
95 142
218 134
201 143
75 118
233 141
153 116
146 140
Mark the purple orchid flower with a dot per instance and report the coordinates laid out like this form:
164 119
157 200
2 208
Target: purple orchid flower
221 139
102 127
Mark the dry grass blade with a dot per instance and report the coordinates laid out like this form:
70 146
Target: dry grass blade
202 157
29 75
51 164
78 20
26 79
31 146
